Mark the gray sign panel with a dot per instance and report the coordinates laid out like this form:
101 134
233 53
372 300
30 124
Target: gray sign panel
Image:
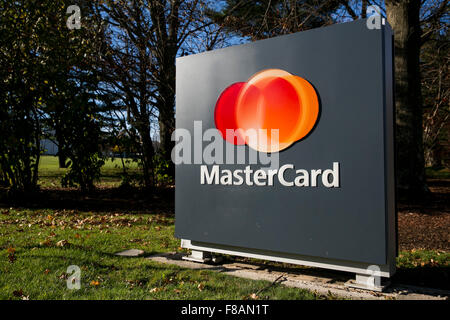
350 67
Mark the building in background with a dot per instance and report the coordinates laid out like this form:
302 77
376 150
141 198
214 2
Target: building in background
48 147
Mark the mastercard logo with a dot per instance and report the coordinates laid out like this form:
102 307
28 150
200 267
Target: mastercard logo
272 99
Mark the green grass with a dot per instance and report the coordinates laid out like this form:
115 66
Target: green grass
49 172
33 263
423 258
428 268
33 260
438 173
111 173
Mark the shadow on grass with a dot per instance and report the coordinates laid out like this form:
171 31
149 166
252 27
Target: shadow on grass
159 200
437 201
96 265
427 276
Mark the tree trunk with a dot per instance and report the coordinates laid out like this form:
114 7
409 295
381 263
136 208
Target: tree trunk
167 109
62 159
166 127
147 156
62 156
403 16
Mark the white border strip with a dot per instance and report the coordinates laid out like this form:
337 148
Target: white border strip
347 266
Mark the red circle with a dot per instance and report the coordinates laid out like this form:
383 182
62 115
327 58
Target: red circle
225 112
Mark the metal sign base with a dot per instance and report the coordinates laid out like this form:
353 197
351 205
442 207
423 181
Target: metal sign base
368 282
198 256
202 252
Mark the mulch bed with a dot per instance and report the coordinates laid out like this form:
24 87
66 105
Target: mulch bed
426 224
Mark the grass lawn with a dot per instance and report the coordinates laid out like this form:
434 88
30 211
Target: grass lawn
111 173
37 244
438 173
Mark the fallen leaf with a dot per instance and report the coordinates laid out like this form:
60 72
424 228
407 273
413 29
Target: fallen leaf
18 293
47 242
95 283
11 254
62 243
253 296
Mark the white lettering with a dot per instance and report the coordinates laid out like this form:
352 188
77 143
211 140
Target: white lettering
334 183
209 178
302 179
314 175
263 177
260 177
281 175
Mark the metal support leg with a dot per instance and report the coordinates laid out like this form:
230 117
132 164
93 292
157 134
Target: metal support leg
368 282
199 256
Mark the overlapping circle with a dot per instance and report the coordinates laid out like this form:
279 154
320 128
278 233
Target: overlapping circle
270 99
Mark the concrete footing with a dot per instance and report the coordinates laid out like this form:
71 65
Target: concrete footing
368 282
198 256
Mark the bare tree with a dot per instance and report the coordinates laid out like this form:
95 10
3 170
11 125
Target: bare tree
268 18
144 39
435 81
412 22
404 17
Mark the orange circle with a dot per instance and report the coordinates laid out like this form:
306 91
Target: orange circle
271 99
